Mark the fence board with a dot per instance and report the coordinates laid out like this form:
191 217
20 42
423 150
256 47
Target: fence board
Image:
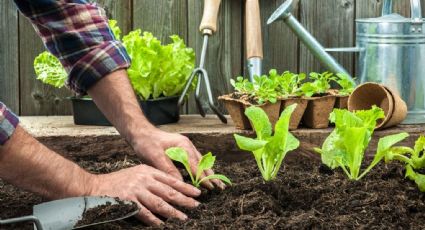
224 55
280 44
36 97
332 23
162 18
120 10
9 72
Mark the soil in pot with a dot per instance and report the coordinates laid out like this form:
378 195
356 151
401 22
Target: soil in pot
316 115
305 195
298 113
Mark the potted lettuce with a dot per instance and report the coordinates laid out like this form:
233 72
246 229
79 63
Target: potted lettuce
158 74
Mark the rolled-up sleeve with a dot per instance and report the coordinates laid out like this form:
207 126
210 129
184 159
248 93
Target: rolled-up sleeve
77 32
8 123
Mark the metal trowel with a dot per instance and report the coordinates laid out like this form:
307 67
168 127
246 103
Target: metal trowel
65 214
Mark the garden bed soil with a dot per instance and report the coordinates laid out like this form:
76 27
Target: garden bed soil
305 195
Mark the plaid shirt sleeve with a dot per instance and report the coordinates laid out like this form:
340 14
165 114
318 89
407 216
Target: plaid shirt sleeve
8 123
77 32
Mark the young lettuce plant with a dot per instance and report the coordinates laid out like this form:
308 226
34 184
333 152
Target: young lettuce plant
265 89
347 86
207 162
269 149
320 85
346 145
242 85
414 163
288 84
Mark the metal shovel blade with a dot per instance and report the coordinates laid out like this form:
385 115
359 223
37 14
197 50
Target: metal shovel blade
65 214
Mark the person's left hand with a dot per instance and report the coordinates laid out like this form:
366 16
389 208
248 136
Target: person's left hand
152 149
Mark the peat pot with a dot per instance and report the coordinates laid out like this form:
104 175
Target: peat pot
158 111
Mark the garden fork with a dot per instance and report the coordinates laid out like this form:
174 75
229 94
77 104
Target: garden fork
208 28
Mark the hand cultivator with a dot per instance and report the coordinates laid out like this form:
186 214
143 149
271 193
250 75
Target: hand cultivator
208 28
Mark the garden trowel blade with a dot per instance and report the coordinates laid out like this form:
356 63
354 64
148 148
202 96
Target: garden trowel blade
65 214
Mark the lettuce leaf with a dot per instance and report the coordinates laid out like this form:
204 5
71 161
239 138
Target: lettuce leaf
269 150
158 70
49 70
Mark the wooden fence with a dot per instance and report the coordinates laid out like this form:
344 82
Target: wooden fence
330 21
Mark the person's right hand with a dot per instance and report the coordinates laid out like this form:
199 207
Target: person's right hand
154 191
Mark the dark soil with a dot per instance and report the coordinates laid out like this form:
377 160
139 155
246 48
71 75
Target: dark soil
244 97
107 212
305 195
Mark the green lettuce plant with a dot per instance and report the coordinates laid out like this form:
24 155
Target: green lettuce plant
346 145
347 86
414 160
288 83
207 162
158 70
269 149
242 85
320 85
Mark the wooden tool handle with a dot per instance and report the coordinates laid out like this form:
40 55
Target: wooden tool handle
209 20
254 40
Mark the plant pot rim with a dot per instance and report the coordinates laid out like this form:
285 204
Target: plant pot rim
91 99
318 98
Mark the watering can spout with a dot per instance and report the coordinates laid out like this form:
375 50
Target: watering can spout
284 13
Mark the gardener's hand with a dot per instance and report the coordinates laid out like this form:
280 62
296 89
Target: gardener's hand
154 191
152 151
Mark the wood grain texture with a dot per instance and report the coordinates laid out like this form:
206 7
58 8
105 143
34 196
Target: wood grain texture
163 18
224 56
120 10
36 97
9 59
332 23
280 45
253 30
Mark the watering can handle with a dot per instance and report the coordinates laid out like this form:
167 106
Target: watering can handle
415 7
209 20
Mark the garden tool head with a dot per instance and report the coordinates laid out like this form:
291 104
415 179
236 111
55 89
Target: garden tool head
208 28
254 41
65 214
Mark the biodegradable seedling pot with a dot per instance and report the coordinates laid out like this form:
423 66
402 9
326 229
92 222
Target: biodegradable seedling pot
272 110
341 101
159 111
236 109
369 94
317 113
299 111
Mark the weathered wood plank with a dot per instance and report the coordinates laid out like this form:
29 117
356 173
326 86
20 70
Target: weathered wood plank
373 8
9 72
162 18
332 23
120 10
224 57
280 44
36 97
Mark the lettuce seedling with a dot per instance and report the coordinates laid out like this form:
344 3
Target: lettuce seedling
207 162
414 163
242 85
265 89
269 150
346 145
320 85
288 84
347 86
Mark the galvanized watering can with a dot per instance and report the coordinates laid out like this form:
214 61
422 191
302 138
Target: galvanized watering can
391 51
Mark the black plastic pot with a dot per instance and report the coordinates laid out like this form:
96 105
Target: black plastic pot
159 111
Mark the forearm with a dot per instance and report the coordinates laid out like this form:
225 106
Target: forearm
26 163
115 97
